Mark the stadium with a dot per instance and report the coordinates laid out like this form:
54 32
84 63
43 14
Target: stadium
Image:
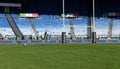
59 34
79 21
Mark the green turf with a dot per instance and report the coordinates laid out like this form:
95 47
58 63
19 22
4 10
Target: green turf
58 56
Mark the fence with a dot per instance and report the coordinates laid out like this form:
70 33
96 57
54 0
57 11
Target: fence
57 41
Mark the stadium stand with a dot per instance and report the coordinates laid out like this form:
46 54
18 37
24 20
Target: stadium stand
101 26
80 25
5 28
24 26
116 28
48 23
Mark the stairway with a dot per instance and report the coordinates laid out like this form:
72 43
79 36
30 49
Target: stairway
33 27
72 30
14 27
110 28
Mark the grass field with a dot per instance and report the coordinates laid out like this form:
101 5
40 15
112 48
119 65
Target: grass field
58 56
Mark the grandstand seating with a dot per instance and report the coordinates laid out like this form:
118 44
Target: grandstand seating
24 25
116 27
53 25
101 26
80 26
48 23
5 28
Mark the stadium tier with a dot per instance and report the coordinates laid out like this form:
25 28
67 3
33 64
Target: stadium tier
53 25
24 25
102 26
116 27
48 23
80 26
5 28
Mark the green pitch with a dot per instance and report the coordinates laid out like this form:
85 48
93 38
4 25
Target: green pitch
58 56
